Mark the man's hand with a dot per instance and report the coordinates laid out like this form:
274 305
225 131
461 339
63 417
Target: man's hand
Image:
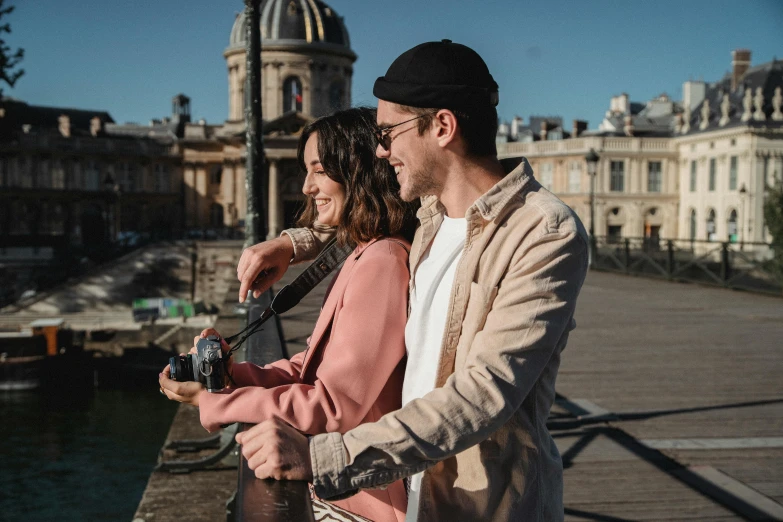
274 449
187 392
263 265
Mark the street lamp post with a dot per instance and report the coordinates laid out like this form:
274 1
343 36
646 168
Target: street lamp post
254 178
742 192
592 166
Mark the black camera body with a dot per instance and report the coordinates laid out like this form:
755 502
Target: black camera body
207 365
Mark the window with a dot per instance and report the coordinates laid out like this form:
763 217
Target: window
617 179
51 219
292 94
23 215
162 179
654 176
92 175
127 176
693 176
733 173
732 226
712 175
614 233
546 175
58 175
575 177
711 233
336 95
43 176
13 175
122 176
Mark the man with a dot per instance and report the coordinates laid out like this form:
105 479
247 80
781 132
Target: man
497 264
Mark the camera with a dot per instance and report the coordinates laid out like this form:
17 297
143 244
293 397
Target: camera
207 365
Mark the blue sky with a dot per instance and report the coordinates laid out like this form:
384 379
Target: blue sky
557 57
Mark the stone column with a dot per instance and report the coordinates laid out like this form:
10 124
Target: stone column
274 207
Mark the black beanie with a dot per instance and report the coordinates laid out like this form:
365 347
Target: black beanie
438 75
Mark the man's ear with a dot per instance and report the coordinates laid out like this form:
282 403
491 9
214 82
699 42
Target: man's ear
445 127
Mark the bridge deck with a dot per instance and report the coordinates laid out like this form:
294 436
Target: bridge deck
671 361
676 364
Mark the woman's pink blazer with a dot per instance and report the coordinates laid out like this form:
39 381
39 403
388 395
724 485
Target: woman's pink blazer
351 372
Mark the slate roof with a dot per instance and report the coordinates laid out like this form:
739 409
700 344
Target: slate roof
19 113
768 76
646 118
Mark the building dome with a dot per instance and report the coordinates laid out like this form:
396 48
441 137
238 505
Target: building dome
295 23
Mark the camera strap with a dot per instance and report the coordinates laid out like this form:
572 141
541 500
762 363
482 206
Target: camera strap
290 295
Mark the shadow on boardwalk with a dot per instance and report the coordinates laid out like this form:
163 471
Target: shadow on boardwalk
686 384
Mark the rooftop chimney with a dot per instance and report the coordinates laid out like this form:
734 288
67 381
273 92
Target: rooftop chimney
96 126
740 62
544 129
579 126
64 123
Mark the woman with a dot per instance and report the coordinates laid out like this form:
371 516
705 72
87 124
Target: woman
360 330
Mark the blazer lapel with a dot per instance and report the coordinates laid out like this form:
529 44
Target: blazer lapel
325 318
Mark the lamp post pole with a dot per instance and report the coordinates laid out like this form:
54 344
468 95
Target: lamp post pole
741 219
592 164
254 178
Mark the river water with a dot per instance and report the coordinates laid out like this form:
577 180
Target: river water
79 458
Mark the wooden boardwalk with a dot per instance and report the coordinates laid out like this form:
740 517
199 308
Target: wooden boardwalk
670 408
671 362
693 378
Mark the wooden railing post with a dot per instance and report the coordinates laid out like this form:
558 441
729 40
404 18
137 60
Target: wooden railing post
725 263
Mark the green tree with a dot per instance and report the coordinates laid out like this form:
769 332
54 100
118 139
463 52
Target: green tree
8 59
773 217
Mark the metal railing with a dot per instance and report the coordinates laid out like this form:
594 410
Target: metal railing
746 266
267 500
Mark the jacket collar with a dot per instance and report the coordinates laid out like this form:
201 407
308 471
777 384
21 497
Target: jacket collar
491 203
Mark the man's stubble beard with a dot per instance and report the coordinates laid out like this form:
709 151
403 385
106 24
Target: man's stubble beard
421 181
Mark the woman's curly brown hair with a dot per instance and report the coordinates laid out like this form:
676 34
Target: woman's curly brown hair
373 207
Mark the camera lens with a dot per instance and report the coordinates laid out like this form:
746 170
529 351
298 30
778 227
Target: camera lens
181 368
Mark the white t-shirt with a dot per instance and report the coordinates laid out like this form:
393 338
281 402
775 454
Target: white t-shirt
429 302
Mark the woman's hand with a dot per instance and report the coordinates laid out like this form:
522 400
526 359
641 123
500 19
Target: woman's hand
187 392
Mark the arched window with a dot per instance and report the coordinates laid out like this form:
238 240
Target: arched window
711 235
292 94
216 215
731 226
693 225
336 95
652 225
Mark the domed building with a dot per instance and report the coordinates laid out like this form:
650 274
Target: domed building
307 66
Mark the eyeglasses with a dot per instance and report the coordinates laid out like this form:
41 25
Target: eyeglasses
383 135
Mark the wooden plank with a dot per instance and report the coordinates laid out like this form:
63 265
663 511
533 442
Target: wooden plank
746 501
712 444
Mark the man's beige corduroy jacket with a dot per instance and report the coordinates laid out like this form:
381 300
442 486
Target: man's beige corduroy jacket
481 434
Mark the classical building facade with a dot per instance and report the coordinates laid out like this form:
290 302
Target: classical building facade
72 182
691 170
307 66
75 179
730 146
